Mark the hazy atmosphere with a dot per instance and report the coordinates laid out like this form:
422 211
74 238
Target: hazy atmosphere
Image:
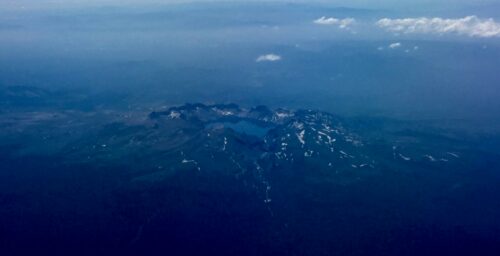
158 124
205 51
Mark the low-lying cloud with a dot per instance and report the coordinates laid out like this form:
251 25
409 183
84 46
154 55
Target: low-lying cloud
470 26
341 23
395 45
268 58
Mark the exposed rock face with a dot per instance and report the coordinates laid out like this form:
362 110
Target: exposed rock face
251 144
251 176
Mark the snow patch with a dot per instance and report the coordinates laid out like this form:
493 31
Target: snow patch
174 115
404 157
300 137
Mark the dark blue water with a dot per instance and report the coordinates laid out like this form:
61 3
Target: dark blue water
245 127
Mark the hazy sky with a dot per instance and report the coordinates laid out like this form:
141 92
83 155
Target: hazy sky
357 3
407 8
386 60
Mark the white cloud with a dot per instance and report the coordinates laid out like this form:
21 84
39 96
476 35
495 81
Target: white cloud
470 26
395 45
268 57
342 23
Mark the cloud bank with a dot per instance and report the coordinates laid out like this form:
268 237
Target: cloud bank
268 58
470 26
342 23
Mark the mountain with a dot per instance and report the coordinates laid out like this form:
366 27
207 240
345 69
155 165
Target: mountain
231 180
253 144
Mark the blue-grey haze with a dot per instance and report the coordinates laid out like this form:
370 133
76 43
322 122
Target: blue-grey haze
249 127
169 53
